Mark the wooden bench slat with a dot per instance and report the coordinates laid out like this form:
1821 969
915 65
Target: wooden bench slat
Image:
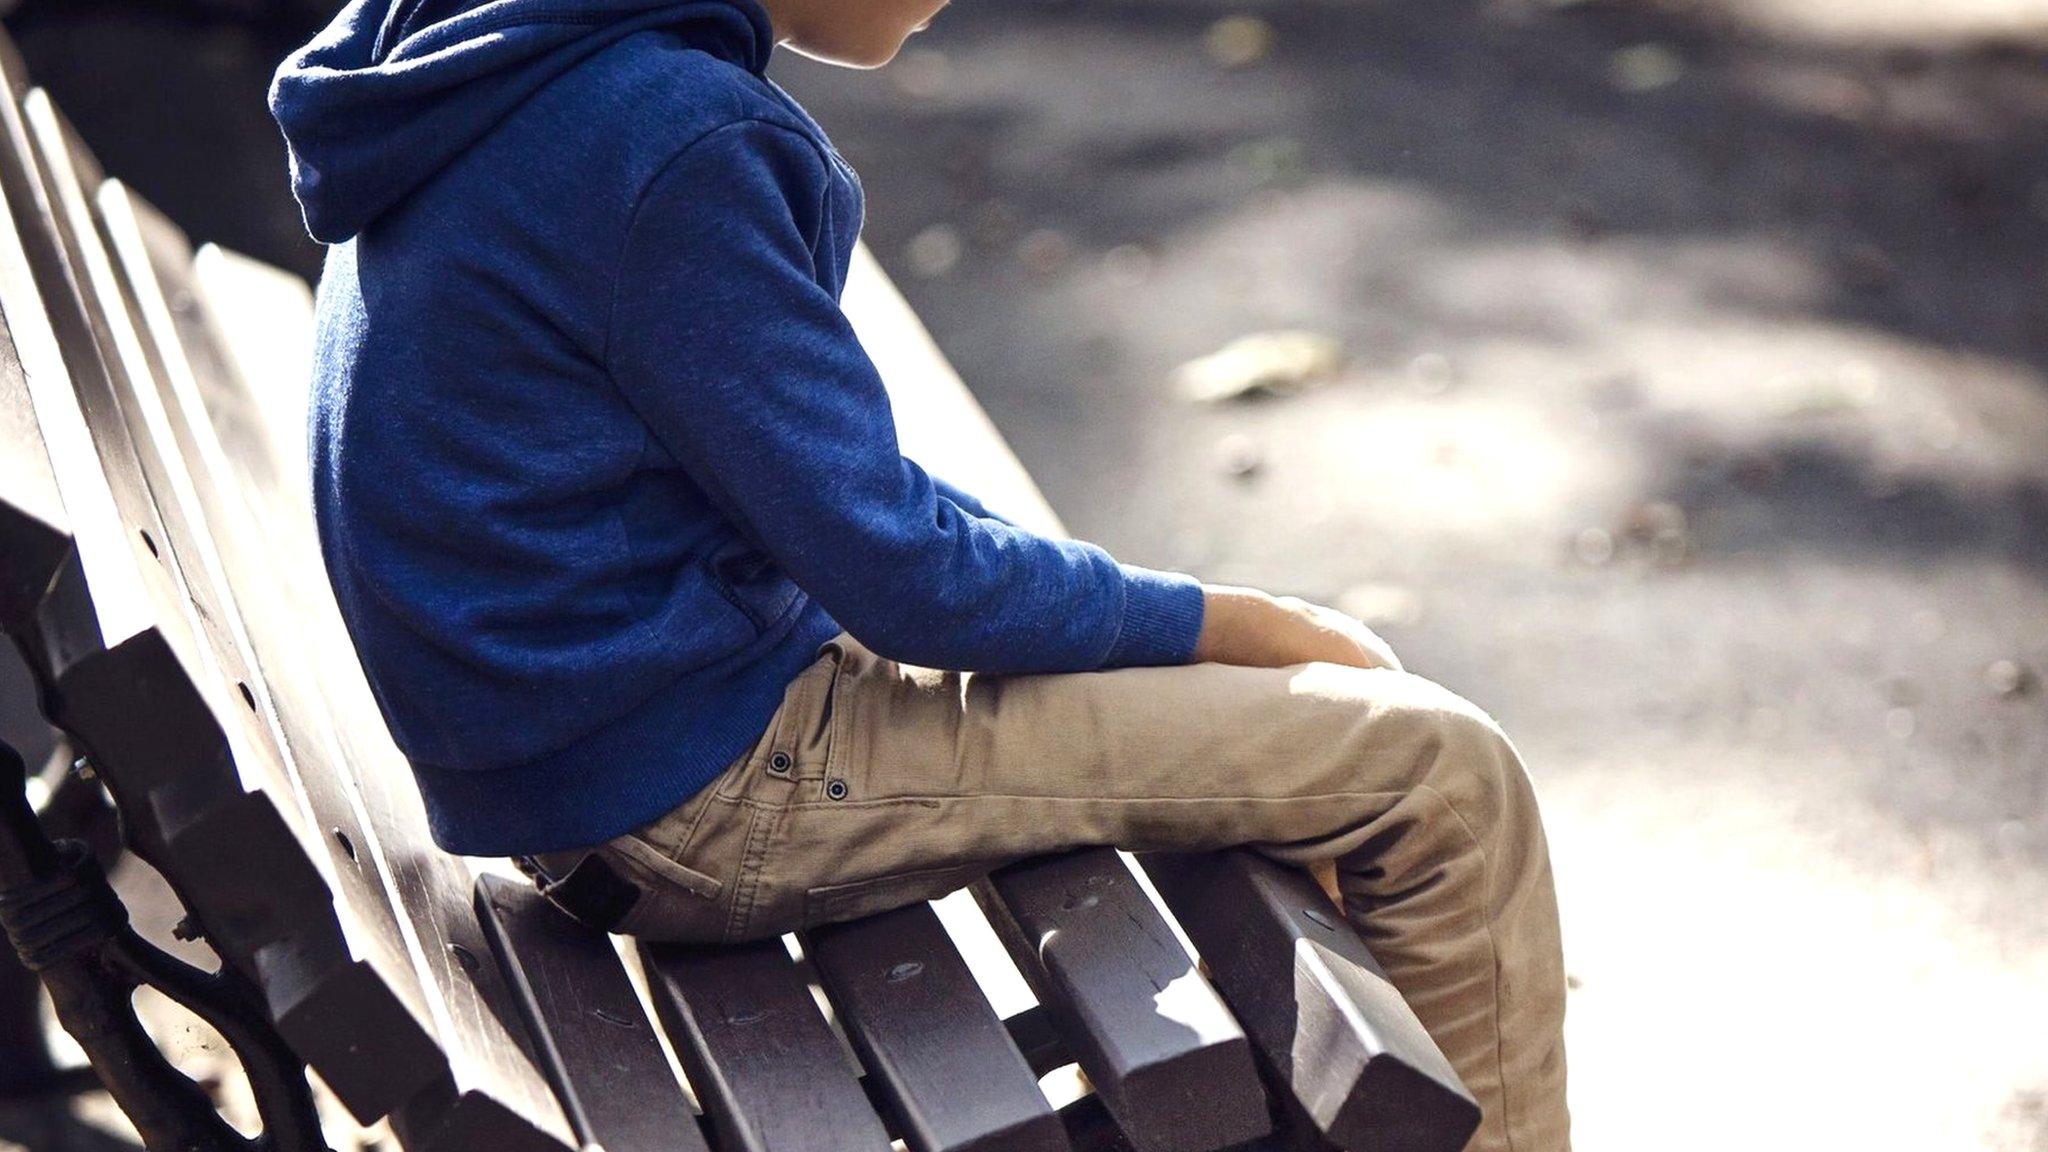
497 1091
1165 1055
347 761
35 534
935 1048
265 318
768 1071
270 481
149 486
600 1049
494 1092
502 1101
154 264
49 334
1331 1029
114 650
124 398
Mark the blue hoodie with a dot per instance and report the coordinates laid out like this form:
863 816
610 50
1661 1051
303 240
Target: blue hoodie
597 461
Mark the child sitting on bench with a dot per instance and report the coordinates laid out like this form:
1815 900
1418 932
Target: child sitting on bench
612 501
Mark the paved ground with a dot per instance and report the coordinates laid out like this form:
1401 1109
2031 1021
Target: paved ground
1696 423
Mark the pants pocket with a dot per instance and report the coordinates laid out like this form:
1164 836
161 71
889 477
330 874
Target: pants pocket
830 903
677 903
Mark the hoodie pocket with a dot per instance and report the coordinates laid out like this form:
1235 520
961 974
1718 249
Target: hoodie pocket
752 583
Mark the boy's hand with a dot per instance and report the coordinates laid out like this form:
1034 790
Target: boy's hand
1249 627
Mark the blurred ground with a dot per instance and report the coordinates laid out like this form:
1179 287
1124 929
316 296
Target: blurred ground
1695 423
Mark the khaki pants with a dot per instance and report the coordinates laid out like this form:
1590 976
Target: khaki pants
878 785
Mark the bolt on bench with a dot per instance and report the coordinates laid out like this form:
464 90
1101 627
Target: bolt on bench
159 574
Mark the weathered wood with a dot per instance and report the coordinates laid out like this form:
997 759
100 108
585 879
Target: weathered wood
114 654
149 484
214 388
495 1091
110 381
31 269
1329 1026
35 533
265 316
768 1071
1162 1051
935 1049
264 623
596 1042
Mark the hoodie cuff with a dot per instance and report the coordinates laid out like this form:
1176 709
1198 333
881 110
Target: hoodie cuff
1162 619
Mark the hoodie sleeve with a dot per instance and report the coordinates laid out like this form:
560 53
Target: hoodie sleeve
752 378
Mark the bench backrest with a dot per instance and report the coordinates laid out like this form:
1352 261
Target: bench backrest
144 668
414 903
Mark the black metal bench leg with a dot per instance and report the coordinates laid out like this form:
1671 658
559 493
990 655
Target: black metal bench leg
25 1066
75 808
67 926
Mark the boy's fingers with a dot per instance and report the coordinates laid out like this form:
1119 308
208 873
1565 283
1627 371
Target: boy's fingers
1378 652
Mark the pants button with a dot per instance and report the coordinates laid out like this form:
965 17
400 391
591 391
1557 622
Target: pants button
779 763
835 789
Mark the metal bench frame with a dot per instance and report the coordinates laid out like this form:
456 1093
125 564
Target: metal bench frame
158 573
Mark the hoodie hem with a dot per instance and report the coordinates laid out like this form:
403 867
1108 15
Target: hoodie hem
623 776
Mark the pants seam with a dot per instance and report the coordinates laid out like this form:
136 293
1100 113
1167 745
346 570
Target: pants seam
927 800
1487 870
749 878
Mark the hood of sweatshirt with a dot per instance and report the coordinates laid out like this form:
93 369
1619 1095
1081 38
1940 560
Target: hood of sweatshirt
393 90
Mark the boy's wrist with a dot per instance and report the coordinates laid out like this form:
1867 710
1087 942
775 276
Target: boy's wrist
1253 628
1230 623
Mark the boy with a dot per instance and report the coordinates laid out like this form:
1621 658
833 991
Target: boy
611 499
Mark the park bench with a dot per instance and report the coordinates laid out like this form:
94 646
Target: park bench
159 575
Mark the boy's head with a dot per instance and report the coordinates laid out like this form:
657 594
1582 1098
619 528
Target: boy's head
853 33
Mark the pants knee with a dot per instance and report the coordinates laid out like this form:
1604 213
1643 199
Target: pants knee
1475 765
